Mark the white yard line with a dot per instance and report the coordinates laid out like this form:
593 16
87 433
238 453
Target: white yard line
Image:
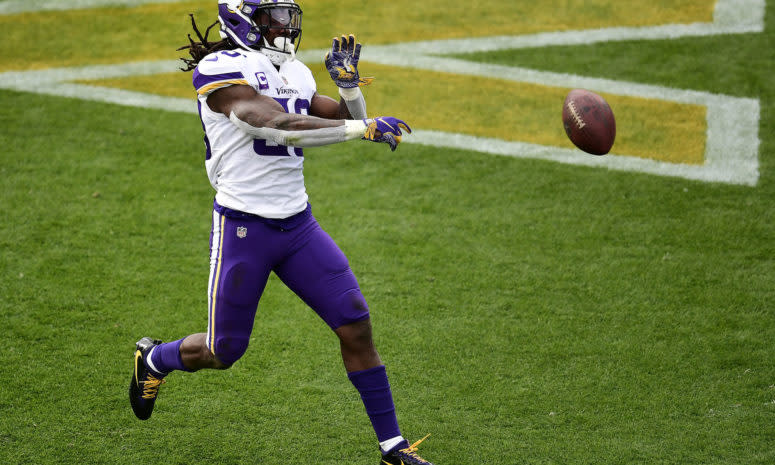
732 143
730 17
23 6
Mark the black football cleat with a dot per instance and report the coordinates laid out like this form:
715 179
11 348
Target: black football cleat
144 386
406 456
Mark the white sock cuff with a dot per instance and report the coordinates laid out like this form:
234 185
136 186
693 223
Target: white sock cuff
386 446
149 362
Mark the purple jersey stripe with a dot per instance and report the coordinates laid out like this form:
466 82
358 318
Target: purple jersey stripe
201 80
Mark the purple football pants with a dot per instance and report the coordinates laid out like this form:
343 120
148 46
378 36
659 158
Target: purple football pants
245 248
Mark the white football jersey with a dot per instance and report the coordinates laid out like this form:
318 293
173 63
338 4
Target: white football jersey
253 175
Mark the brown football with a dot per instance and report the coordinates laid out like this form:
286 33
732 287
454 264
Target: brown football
589 121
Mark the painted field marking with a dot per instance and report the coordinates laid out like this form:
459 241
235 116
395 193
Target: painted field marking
732 144
24 6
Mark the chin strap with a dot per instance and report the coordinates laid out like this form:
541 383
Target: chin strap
281 51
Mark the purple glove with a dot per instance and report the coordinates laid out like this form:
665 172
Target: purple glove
342 63
385 129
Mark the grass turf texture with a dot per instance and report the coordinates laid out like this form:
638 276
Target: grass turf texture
529 312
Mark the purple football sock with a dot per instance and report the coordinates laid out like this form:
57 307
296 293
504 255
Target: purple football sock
166 358
374 388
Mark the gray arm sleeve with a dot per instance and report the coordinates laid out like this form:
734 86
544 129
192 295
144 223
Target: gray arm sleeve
307 138
356 104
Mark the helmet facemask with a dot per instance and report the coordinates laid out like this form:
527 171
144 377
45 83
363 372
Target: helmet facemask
272 27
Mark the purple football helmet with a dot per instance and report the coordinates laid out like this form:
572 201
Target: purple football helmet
272 27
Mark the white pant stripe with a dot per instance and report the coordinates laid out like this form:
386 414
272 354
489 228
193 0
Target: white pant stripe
215 272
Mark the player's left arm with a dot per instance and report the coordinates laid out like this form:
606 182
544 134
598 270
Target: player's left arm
324 106
342 65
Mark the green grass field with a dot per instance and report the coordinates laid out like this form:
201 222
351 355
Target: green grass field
527 311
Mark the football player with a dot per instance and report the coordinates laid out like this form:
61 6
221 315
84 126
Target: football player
259 108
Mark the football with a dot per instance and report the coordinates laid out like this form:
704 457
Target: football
589 121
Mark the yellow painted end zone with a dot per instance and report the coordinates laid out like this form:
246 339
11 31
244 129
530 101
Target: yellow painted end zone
653 129
153 31
512 111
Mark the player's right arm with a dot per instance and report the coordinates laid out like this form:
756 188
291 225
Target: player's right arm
261 111
264 118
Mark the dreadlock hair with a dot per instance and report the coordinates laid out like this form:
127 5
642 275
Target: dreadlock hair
201 49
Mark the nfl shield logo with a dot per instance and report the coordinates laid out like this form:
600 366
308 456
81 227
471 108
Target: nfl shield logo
242 231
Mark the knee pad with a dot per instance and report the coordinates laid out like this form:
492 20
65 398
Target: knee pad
230 349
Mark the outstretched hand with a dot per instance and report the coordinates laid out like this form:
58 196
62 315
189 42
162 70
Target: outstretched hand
385 129
342 63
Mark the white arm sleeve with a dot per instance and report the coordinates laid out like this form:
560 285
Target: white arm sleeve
356 104
351 129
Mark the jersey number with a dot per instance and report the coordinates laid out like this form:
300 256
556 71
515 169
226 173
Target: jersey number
265 147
